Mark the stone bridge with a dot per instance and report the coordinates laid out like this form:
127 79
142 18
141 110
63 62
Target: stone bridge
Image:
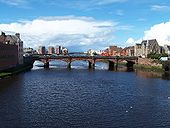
112 60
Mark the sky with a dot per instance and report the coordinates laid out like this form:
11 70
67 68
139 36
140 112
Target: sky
80 25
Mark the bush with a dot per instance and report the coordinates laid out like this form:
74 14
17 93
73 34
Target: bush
156 55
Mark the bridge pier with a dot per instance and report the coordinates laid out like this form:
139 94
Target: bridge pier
111 65
130 65
46 65
69 65
91 65
116 64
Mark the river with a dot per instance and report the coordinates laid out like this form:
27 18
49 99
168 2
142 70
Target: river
82 98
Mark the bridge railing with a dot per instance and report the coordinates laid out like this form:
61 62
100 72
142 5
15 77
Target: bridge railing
52 56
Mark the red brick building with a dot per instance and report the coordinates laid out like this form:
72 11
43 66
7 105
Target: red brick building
114 50
41 50
127 51
8 53
51 50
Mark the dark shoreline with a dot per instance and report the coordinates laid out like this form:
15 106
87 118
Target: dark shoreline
15 70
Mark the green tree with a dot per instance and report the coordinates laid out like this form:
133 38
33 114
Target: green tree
156 55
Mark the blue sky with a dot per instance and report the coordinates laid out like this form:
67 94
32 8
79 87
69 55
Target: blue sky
80 25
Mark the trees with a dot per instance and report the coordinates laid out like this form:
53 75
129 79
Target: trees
156 55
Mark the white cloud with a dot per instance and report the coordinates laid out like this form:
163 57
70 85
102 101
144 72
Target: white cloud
159 7
161 32
69 31
124 27
105 2
14 2
130 41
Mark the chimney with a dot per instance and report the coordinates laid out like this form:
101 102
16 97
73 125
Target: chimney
3 33
18 35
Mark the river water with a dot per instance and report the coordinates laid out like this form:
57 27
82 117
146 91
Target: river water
82 98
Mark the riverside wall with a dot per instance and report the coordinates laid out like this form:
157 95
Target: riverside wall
149 65
149 62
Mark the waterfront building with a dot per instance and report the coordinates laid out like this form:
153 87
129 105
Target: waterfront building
131 51
127 51
146 47
114 50
11 50
90 52
15 40
105 52
166 48
29 51
51 50
64 51
41 50
60 49
100 52
19 42
57 51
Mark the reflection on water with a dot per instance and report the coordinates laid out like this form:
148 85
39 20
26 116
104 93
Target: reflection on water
59 64
150 74
81 98
166 75
147 74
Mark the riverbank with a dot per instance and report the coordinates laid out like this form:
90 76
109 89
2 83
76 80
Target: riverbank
15 70
148 68
159 68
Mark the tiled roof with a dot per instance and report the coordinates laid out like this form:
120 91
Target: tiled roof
11 39
150 42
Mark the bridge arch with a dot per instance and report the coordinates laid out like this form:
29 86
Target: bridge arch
38 63
58 63
79 64
58 60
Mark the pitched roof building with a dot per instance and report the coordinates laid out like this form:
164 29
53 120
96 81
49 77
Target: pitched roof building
13 40
127 51
146 47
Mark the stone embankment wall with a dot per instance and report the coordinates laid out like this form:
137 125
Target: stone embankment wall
149 62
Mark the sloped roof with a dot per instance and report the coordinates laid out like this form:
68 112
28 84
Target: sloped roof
11 39
149 42
153 41
144 41
2 38
138 44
